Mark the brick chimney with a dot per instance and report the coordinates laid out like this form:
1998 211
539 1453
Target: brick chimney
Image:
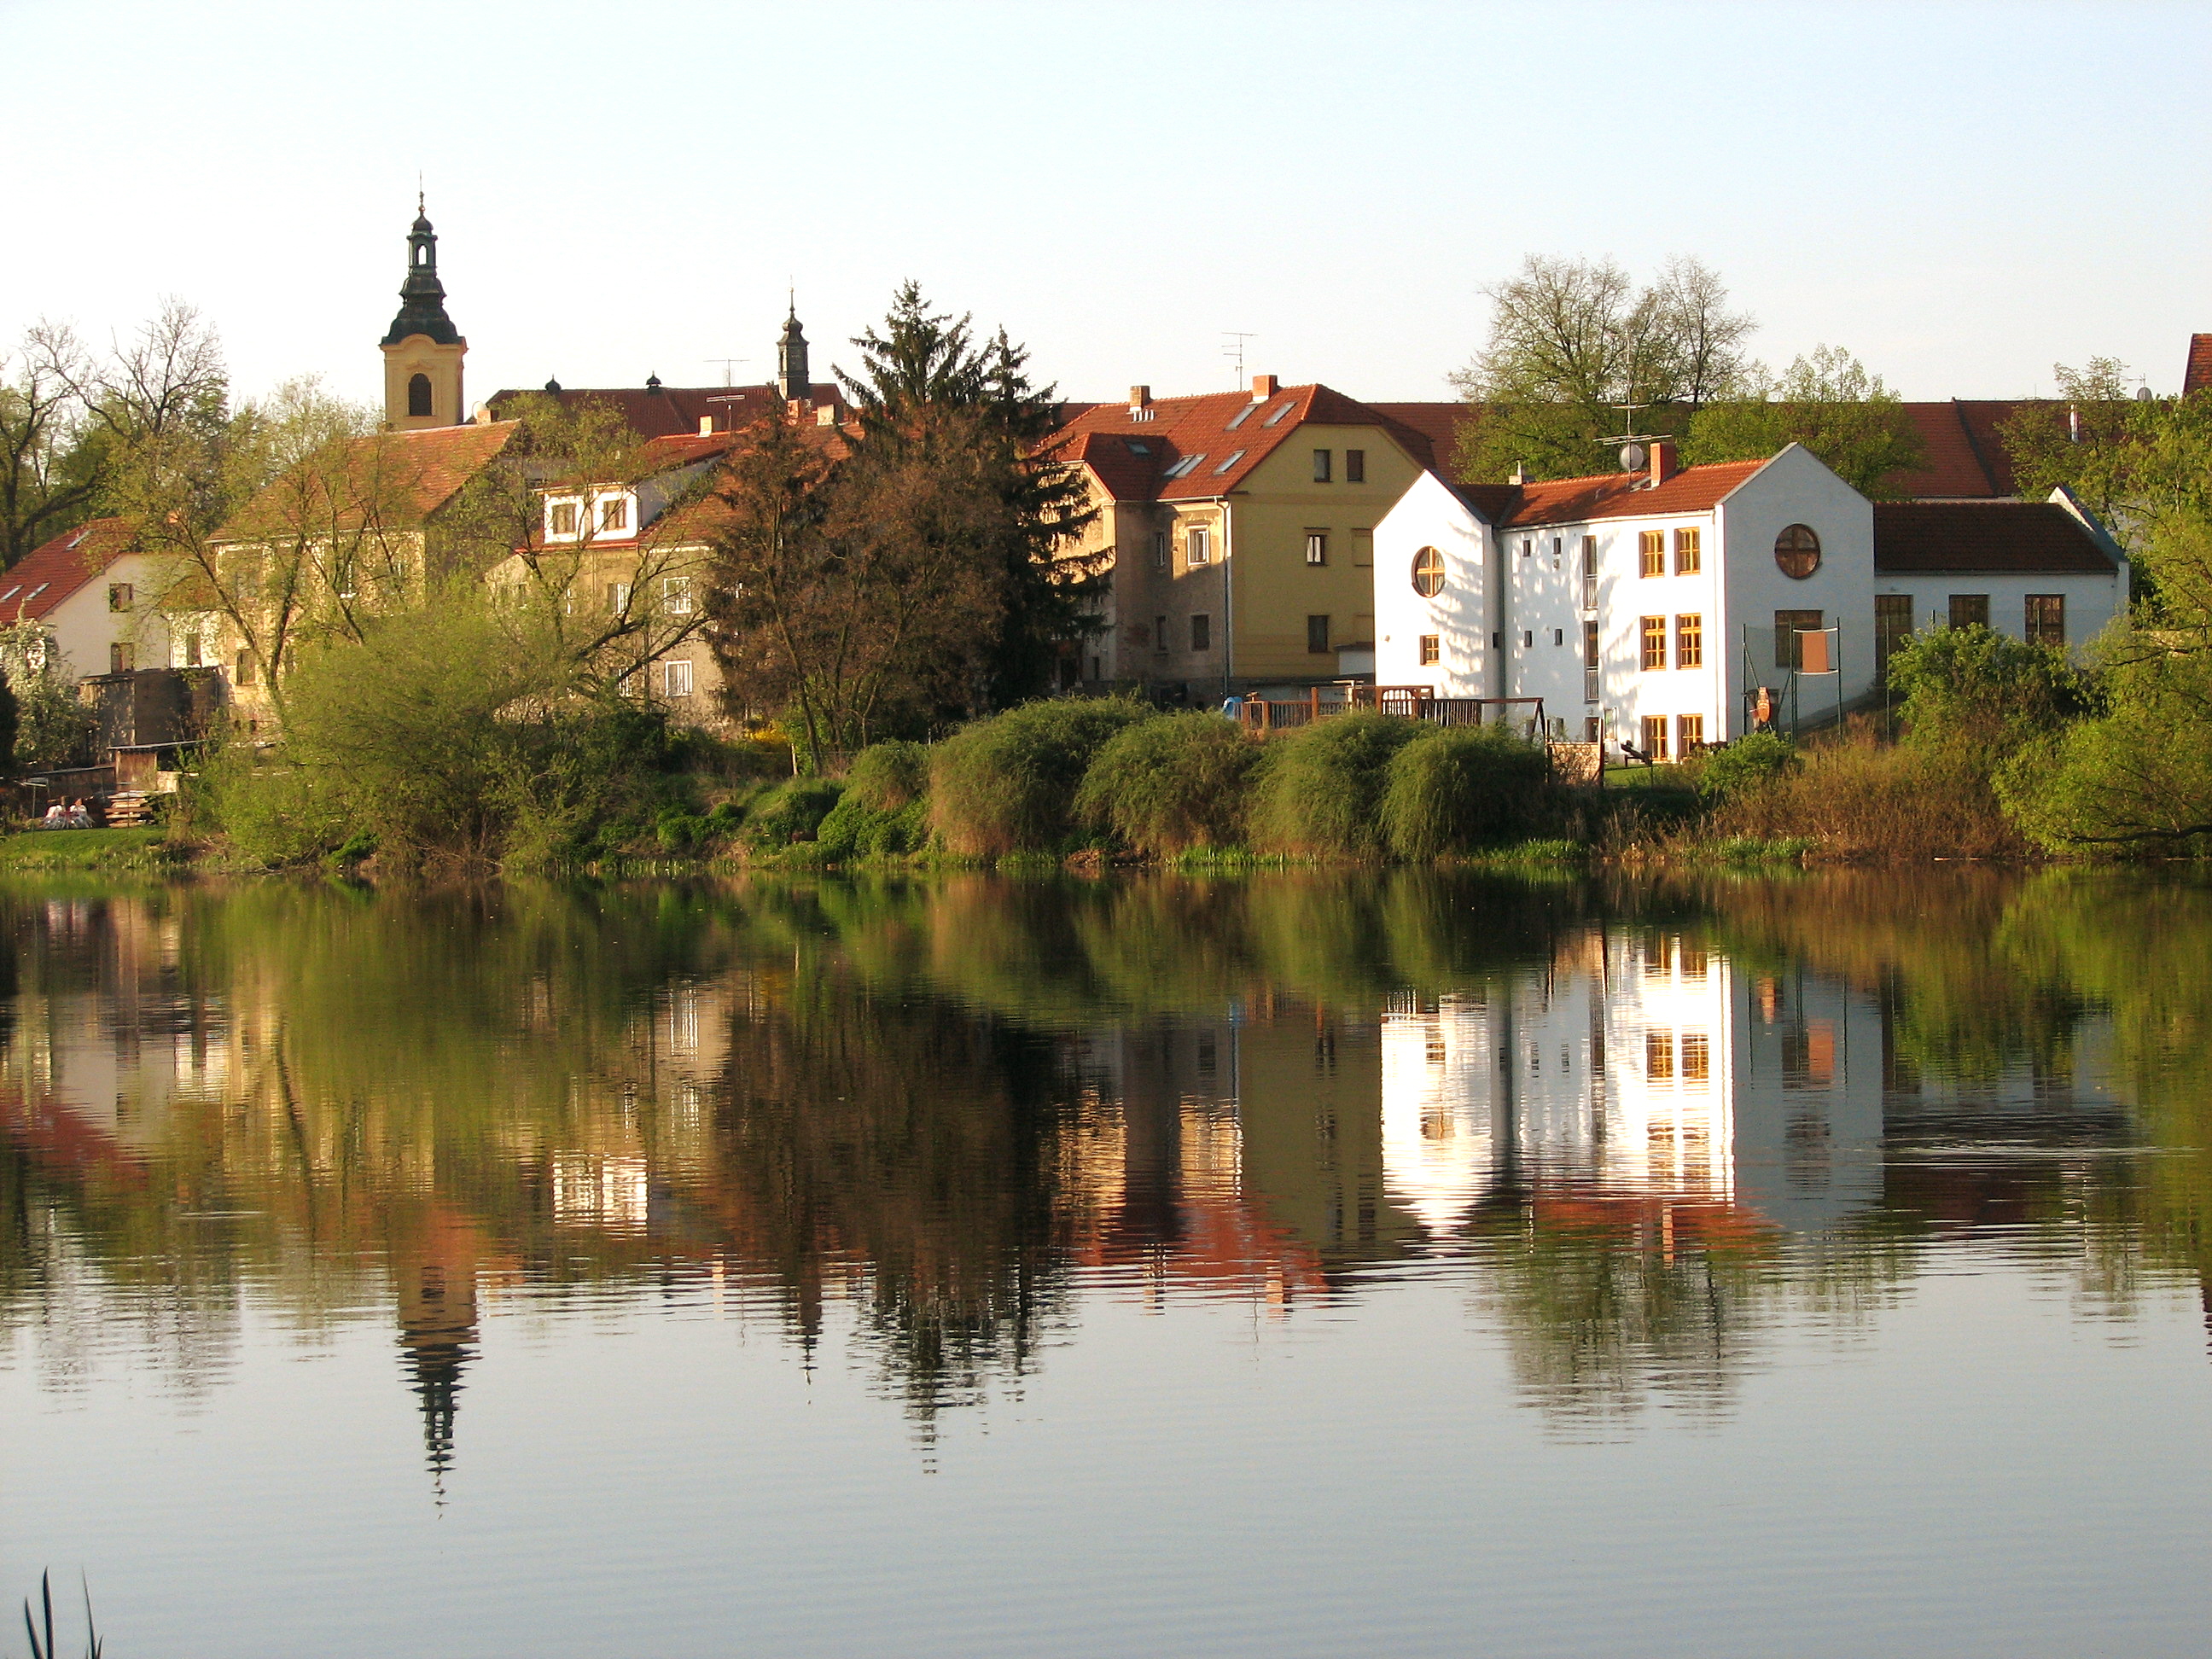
1662 461
1140 397
1264 386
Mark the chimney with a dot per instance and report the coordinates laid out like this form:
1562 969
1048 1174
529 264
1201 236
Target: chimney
1662 461
1140 397
1263 388
1520 474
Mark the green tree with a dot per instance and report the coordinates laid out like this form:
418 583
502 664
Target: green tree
1572 342
1980 695
1831 403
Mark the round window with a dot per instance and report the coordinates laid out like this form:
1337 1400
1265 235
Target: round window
1428 573
1797 550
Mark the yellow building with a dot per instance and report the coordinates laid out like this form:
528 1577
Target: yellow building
423 349
1239 531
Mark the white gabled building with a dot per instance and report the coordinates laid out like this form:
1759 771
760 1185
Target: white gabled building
97 601
1654 607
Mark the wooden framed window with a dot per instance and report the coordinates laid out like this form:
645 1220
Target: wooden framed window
1322 465
1689 734
1655 642
1355 466
1589 647
614 513
1892 627
1198 545
561 519
1316 547
1201 631
1431 650
118 596
1659 1056
1317 635
1789 649
2047 619
1428 573
121 657
1697 1057
1690 642
1655 737
617 597
1797 551
1970 611
1651 552
1688 555
675 676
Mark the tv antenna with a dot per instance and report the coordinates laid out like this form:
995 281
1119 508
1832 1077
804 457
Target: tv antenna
1234 348
728 365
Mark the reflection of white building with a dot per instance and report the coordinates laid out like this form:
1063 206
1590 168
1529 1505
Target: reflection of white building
1641 1066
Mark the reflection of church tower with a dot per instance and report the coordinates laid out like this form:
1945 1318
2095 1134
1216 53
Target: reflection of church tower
422 350
790 359
434 1277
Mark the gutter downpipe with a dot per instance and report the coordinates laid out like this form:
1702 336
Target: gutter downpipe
1228 603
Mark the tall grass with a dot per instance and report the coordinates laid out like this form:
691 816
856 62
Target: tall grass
885 776
1320 789
1171 784
1007 783
1861 799
1454 789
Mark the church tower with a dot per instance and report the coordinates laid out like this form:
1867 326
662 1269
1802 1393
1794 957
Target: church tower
790 359
422 350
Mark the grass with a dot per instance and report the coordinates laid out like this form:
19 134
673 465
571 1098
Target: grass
92 849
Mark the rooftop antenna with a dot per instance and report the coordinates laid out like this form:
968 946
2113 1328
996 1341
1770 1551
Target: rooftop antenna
1234 347
728 364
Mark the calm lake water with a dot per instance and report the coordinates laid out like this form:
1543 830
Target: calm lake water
1299 1263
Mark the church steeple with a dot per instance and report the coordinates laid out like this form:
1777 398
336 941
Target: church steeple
423 349
791 357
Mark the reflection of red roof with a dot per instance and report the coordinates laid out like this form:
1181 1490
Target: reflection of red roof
1213 443
2197 373
1657 1218
58 1139
46 575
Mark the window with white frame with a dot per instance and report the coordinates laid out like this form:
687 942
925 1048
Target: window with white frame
675 676
561 520
675 595
614 512
1198 545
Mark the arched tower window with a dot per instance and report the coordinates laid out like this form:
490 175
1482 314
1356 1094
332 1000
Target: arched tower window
418 396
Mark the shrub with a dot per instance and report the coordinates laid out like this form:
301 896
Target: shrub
1858 798
855 829
1750 763
1451 789
1171 783
792 811
1007 783
1320 789
1978 696
886 776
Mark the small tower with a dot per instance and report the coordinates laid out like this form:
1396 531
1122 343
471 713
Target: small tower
422 350
790 359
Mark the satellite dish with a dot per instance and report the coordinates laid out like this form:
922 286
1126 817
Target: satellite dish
1631 458
2142 394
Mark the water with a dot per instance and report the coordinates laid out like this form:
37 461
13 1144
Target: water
1290 1264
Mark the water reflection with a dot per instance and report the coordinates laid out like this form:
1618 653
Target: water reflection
1643 1124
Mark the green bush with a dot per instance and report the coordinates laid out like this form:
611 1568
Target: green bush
1007 783
886 776
1976 695
1451 789
1320 789
272 814
1750 763
854 829
792 811
1171 783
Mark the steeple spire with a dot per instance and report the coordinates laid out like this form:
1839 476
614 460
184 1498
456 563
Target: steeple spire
423 349
791 377
421 296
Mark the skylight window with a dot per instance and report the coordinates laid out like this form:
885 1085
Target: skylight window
1135 447
1226 464
1288 404
1242 415
1186 465
35 592
11 593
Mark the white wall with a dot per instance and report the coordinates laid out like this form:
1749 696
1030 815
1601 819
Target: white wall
1794 488
83 627
1430 515
2092 601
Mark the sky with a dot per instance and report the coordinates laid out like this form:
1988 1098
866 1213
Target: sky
1962 195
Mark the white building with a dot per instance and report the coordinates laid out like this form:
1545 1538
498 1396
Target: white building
1654 607
97 603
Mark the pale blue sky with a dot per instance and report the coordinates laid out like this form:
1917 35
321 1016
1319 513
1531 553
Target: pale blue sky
1962 194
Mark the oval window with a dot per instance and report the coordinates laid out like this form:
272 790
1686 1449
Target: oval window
1428 573
1797 550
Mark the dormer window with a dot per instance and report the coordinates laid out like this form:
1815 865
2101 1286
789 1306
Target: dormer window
561 518
614 513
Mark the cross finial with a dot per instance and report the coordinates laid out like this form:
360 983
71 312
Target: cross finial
419 208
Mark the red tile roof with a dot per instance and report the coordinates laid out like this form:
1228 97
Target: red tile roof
671 411
2197 374
1626 495
2027 538
1966 457
401 477
1437 422
46 575
1227 432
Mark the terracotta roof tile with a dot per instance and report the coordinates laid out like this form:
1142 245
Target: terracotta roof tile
1625 495
671 411
2197 374
2030 538
403 475
48 574
1208 434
